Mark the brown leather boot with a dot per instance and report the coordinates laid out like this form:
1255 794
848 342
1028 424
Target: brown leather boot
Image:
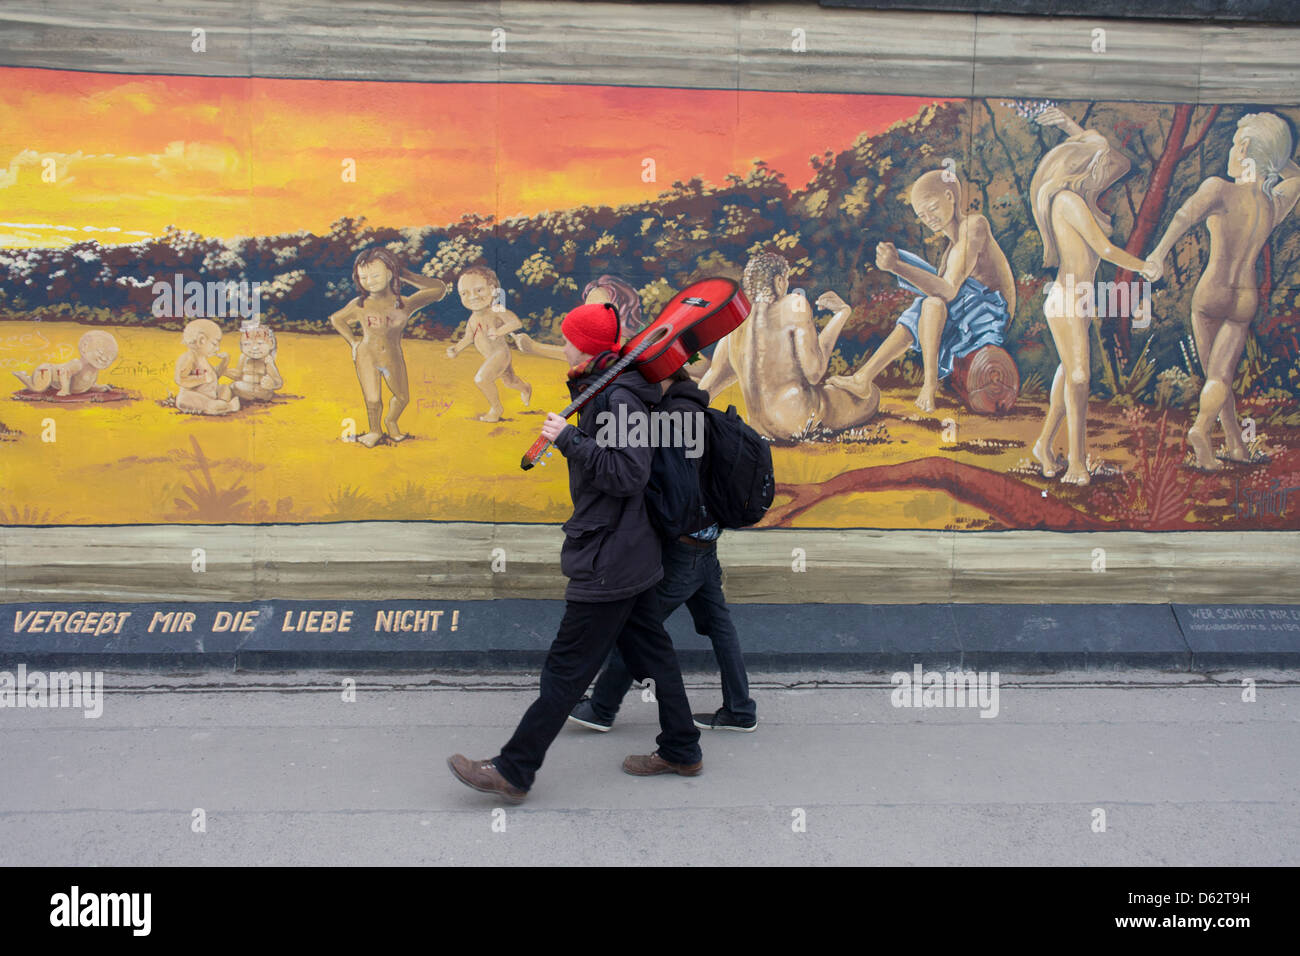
484 776
650 764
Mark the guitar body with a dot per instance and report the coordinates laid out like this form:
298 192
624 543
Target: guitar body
693 319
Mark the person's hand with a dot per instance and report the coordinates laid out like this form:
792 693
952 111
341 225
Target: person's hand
1052 116
886 256
832 301
1152 270
553 425
451 351
267 381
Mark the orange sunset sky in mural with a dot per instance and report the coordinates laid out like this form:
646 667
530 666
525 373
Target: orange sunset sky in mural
229 157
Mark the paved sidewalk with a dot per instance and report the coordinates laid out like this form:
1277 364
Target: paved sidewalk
286 772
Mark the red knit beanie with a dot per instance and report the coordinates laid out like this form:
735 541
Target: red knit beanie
592 328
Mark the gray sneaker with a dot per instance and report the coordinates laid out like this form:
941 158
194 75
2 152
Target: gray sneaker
584 714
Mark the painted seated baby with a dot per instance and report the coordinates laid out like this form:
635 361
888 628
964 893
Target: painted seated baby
256 377
200 388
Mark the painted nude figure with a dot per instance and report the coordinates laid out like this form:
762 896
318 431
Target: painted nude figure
1239 214
382 312
201 391
489 324
606 288
256 377
965 305
779 358
96 350
1064 191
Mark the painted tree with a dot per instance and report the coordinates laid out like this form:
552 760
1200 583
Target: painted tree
1177 148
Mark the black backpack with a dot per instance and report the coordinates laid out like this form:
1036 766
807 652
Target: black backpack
736 477
672 495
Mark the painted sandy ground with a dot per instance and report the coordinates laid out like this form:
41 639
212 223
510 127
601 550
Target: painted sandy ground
140 462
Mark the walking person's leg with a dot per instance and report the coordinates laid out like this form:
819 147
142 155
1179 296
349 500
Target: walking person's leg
680 580
712 617
649 653
586 634
611 687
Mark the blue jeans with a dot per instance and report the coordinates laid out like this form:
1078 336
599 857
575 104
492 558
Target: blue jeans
692 576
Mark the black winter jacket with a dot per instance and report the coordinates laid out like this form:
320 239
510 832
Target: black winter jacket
610 548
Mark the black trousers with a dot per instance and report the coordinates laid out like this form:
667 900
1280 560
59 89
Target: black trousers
692 576
587 633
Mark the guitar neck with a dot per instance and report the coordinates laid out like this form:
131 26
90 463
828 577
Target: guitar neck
698 316
606 377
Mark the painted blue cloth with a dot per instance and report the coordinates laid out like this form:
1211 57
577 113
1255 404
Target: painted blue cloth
976 318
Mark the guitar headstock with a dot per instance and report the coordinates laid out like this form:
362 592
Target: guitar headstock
537 454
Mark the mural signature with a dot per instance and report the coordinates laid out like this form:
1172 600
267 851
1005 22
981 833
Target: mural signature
61 354
141 368
1257 503
440 405
24 342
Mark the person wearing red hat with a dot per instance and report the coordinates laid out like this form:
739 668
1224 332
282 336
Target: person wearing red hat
611 556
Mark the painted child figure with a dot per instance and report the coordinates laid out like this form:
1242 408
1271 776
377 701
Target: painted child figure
618 293
97 350
200 389
1065 190
1240 215
964 305
489 324
382 312
256 377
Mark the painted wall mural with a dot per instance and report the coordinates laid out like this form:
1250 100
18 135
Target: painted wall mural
248 301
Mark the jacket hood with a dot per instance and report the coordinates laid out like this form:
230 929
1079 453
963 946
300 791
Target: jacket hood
688 391
632 380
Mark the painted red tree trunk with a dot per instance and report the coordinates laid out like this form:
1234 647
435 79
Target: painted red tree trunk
1266 283
1011 502
1176 149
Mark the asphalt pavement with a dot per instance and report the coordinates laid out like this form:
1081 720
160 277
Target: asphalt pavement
1120 767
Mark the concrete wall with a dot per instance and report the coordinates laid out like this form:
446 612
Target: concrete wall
516 136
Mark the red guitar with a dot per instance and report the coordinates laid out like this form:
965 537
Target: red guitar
698 316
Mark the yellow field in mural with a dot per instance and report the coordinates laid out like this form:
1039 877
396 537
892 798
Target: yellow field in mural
139 460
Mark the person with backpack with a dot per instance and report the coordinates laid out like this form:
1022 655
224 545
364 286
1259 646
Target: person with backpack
611 557
678 495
